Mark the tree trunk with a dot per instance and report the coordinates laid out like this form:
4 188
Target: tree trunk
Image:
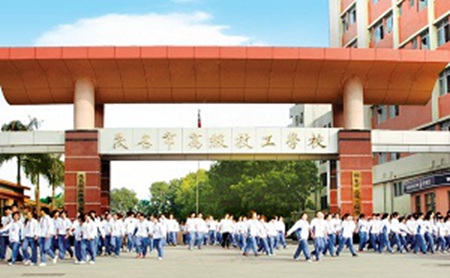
53 196
37 196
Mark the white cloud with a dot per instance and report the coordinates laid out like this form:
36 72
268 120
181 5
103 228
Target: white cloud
148 29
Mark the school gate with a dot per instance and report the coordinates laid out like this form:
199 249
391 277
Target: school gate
90 77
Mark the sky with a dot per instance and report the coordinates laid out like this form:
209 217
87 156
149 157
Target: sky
298 23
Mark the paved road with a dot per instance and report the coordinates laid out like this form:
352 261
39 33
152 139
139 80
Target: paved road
216 262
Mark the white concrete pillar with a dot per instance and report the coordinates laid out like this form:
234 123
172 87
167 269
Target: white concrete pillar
84 104
353 104
334 7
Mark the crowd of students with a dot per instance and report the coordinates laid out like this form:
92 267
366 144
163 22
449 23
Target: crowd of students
54 235
427 233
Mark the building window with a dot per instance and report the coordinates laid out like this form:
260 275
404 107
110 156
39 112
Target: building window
381 113
411 3
344 24
398 189
445 126
444 81
382 158
418 204
352 15
379 32
394 111
395 156
324 179
425 40
375 1
430 201
389 23
400 9
422 5
443 32
414 43
323 202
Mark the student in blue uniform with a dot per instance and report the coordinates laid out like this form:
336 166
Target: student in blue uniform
15 229
31 233
301 227
4 237
348 229
46 233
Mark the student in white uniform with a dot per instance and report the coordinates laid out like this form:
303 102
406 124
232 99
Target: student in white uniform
117 233
30 233
78 238
374 231
159 232
151 229
272 235
241 231
302 228
447 226
90 233
395 232
130 225
226 229
363 231
429 231
141 236
201 230
348 228
190 231
55 217
15 229
411 224
262 235
441 235
212 230
419 242
384 234
63 225
172 230
403 233
107 229
4 237
318 232
330 236
281 229
252 233
46 233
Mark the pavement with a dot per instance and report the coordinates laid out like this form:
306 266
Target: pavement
217 262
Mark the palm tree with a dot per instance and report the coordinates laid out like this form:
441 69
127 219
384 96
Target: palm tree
55 174
18 126
34 166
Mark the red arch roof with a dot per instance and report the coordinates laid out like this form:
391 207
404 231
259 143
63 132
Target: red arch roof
46 75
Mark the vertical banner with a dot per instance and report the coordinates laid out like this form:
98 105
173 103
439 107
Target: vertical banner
81 190
356 186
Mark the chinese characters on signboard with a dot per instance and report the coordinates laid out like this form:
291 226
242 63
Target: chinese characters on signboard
356 187
218 140
81 190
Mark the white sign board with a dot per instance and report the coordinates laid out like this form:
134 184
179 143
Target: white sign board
218 141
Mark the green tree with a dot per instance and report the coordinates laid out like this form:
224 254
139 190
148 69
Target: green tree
144 206
34 166
186 193
270 187
55 175
14 126
123 200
